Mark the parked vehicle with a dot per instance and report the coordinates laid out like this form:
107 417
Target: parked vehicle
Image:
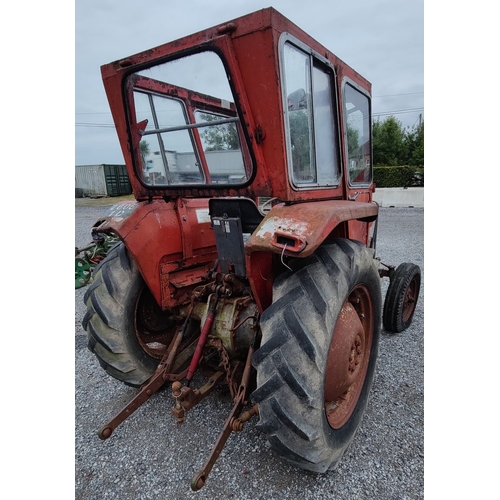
249 254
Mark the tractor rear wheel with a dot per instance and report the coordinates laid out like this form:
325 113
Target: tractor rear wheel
127 330
316 362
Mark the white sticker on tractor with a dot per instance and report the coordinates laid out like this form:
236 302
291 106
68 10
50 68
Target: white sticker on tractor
202 215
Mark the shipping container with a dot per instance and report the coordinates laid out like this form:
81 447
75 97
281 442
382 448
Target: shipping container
101 180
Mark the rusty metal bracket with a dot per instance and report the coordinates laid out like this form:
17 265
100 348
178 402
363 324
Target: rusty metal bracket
161 375
238 423
185 397
200 478
387 273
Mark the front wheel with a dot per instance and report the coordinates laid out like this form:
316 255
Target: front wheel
319 347
401 298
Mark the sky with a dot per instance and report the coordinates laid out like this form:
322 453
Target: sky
383 40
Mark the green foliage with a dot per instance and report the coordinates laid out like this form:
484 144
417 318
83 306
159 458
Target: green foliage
395 145
219 137
388 144
415 145
301 148
401 176
144 145
352 139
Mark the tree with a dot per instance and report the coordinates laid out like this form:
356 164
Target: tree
219 137
415 146
394 145
388 142
299 138
144 147
352 139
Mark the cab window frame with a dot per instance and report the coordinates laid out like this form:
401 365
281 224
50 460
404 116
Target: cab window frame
192 126
315 62
348 83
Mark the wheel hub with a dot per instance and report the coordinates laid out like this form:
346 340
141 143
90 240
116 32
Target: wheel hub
348 357
356 355
154 328
409 300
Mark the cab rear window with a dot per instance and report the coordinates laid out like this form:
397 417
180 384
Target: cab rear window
190 129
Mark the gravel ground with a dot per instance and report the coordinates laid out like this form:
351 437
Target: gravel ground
149 457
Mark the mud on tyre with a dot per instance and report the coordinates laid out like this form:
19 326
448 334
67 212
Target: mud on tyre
316 362
127 331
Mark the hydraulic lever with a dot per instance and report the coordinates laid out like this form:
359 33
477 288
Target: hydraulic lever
203 337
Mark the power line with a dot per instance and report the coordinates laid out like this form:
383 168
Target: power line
98 125
398 112
382 113
373 97
395 95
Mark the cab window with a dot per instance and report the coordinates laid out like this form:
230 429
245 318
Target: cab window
310 117
189 125
357 126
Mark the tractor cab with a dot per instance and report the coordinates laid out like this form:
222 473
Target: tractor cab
253 108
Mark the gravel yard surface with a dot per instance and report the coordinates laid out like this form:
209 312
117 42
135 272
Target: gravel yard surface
150 457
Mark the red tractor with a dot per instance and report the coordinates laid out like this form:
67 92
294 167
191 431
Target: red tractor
248 257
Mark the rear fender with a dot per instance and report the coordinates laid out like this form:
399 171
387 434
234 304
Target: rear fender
297 231
171 242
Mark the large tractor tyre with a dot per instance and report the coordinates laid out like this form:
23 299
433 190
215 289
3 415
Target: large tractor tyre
316 362
127 331
401 298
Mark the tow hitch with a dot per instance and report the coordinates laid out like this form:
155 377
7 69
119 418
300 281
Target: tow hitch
170 369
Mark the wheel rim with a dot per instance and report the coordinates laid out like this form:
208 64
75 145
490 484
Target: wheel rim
348 357
154 328
410 300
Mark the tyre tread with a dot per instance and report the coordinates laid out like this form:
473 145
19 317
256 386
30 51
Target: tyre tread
289 385
394 300
107 318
